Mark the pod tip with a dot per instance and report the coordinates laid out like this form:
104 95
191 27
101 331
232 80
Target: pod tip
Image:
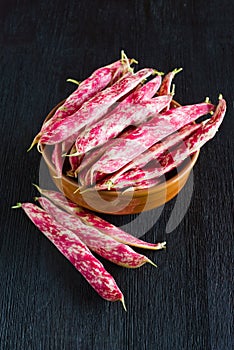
123 303
151 262
38 188
35 141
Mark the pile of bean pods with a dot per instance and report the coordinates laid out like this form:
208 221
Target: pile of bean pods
76 231
120 130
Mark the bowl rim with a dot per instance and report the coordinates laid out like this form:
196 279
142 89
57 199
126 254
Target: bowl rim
137 193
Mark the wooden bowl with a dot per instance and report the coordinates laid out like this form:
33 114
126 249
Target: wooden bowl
116 202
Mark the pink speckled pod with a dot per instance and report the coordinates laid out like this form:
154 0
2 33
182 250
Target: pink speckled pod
103 245
76 252
93 220
148 90
165 88
57 155
57 159
128 112
93 109
138 177
93 155
87 89
156 150
147 134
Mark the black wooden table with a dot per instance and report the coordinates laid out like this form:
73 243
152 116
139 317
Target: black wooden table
186 302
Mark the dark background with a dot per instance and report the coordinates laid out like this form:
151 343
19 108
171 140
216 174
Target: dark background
185 303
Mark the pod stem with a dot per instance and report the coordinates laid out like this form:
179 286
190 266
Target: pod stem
18 205
109 184
132 60
38 188
69 80
172 93
177 70
84 189
124 57
76 154
151 262
35 141
163 245
39 147
156 72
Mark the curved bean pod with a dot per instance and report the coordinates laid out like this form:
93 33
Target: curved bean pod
57 159
169 160
93 220
156 150
74 161
147 134
57 155
126 113
149 89
93 109
103 245
165 88
76 252
94 154
87 89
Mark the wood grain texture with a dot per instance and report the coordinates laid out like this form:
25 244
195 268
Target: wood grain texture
184 304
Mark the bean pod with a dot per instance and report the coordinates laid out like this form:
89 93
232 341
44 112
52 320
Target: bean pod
165 88
144 136
93 155
125 114
102 225
76 252
167 161
85 91
103 245
93 109
156 150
